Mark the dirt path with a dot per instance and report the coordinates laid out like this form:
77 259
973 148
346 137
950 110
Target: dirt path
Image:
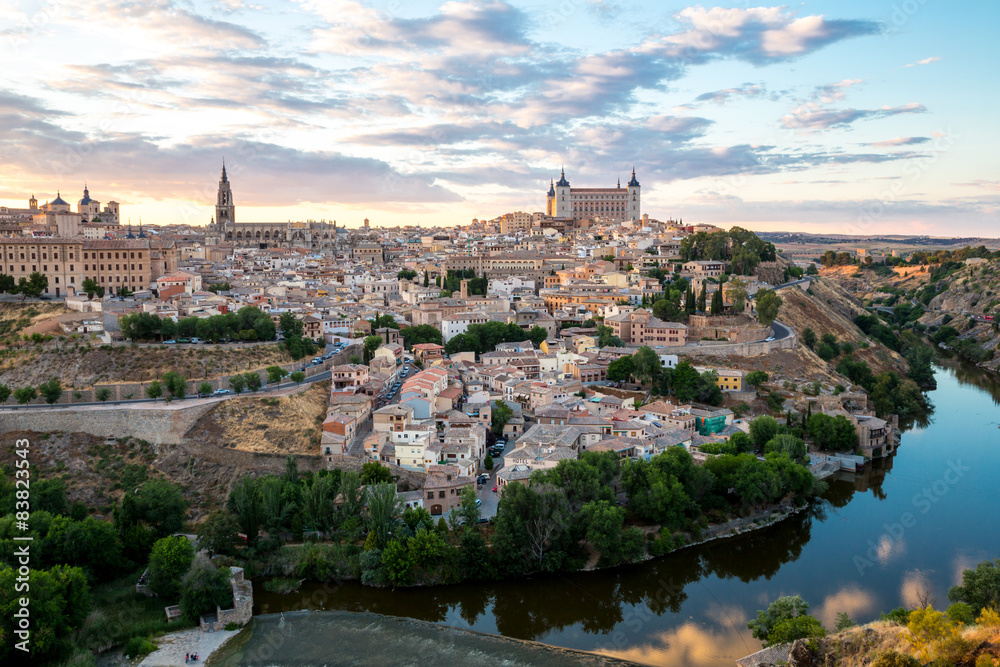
174 647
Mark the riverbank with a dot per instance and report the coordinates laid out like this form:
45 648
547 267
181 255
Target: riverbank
364 638
174 647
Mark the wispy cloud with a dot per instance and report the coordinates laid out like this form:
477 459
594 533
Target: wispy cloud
899 141
726 94
925 61
815 117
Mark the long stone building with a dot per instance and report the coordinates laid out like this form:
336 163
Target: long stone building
223 228
132 263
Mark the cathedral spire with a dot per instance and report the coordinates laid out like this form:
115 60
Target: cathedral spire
225 179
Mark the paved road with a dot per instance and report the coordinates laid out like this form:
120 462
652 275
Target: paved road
265 391
780 330
795 282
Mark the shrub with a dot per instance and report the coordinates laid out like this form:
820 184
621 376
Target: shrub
137 647
894 659
960 612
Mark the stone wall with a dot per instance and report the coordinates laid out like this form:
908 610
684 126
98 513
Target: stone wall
759 349
165 425
242 609
732 328
124 391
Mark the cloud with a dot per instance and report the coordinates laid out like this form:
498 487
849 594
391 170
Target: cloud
812 116
834 92
925 61
899 141
723 96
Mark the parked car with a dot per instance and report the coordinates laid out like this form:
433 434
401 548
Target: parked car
170 342
221 392
484 477
478 502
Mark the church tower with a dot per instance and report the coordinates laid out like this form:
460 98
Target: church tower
225 209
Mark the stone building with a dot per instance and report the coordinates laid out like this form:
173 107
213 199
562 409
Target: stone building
224 229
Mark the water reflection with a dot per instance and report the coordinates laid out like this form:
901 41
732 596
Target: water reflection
691 607
594 602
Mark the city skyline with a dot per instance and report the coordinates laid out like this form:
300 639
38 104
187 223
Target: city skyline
825 117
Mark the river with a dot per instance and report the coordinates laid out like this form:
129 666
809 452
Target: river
898 535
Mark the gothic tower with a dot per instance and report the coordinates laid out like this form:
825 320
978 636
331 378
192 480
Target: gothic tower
225 209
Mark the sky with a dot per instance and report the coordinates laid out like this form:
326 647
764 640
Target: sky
856 117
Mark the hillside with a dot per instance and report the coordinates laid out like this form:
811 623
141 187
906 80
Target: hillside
873 645
17 319
80 364
241 436
828 308
282 425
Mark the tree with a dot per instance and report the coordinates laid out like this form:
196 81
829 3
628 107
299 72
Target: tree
290 326
426 279
606 534
980 587
702 297
205 388
406 274
204 588
397 563
785 608
372 343
153 391
275 374
737 291
385 510
832 433
756 378
252 380
621 369
646 365
90 287
175 383
488 461
7 283
809 338
34 286
685 381
168 563
218 533
468 509
768 303
762 430
373 472
25 395
297 376
422 333
501 414
60 603
161 505
51 390
787 444
717 304
4 393
238 383
537 335
245 504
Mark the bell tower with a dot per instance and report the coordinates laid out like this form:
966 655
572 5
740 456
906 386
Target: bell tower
225 209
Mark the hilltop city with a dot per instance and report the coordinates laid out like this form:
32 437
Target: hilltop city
568 389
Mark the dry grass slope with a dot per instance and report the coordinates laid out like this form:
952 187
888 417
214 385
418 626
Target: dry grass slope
285 425
81 365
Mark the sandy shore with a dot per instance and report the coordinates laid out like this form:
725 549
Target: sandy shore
173 647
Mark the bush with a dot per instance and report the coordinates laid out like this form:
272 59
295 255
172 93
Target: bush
899 616
204 588
894 659
168 563
137 647
960 612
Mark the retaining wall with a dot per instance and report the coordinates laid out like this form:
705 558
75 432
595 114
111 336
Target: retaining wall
158 425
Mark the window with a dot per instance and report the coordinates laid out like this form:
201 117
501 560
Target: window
71 268
45 268
440 494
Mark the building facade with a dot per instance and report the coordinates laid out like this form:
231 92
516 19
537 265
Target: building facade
113 264
223 228
606 204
